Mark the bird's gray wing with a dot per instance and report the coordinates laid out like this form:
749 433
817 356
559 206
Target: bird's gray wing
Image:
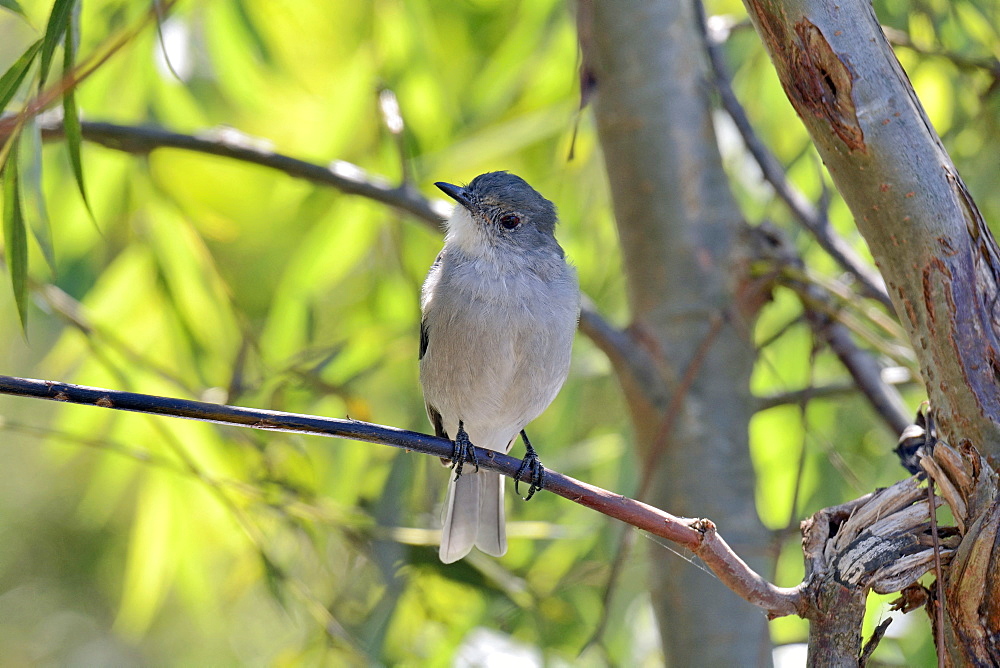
436 420
439 429
423 338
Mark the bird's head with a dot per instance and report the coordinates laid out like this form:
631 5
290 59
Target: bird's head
498 211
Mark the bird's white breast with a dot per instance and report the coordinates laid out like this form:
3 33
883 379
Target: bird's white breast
499 338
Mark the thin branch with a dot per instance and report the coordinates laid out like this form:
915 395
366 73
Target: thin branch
865 370
699 535
872 644
344 176
938 572
632 362
812 392
860 363
393 120
673 409
670 414
801 208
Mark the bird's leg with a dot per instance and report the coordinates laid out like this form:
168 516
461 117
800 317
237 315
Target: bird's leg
462 451
532 462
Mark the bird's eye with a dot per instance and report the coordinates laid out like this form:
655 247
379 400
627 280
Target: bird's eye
510 221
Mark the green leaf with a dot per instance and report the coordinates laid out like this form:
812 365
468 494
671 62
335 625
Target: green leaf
12 78
71 117
58 20
15 239
29 172
255 39
13 6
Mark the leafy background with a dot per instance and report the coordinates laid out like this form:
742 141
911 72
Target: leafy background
133 539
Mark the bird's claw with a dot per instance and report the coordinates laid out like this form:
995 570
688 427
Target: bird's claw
462 451
532 463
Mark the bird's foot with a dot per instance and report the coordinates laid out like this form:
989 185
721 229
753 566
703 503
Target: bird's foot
462 451
531 463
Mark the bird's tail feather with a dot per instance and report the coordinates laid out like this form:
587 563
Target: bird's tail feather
473 516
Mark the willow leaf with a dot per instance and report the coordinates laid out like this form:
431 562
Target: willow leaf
15 239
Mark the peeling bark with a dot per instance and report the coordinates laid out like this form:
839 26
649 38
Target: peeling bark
880 542
972 581
941 266
938 258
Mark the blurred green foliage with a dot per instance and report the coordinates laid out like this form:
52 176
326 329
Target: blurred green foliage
133 539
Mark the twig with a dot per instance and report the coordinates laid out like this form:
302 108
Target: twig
763 403
865 370
629 359
798 319
872 644
699 535
392 117
860 363
938 571
673 409
800 468
346 177
617 568
670 414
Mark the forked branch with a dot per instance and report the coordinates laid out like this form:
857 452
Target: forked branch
697 535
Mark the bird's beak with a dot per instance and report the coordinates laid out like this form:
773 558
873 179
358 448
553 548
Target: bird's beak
457 193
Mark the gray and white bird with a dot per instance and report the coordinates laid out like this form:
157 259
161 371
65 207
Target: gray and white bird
499 311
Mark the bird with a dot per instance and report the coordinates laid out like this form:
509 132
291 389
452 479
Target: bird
499 309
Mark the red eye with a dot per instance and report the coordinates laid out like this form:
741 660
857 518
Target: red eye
510 221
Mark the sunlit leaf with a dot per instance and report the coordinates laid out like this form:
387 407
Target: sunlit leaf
33 199
58 20
15 238
934 82
148 567
71 118
254 37
12 78
215 274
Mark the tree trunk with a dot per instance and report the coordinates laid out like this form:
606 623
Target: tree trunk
680 235
938 258
939 261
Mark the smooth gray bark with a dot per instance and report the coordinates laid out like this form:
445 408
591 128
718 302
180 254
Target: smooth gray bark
679 229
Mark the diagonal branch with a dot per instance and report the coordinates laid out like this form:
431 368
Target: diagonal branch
801 208
698 535
227 143
865 370
860 363
634 364
813 392
937 255
344 176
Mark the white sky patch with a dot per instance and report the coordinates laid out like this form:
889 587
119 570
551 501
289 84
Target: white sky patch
790 656
177 47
